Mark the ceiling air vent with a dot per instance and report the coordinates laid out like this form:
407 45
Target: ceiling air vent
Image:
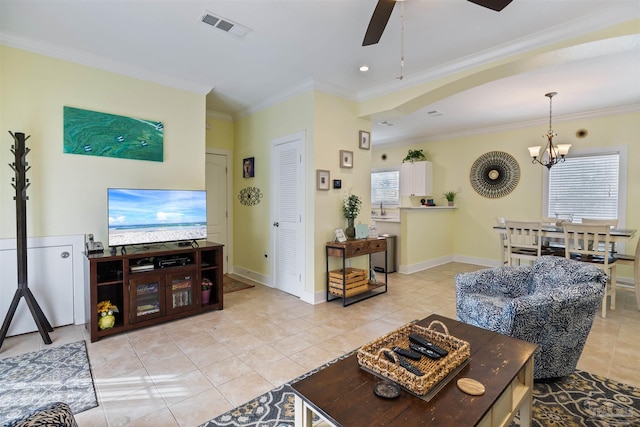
225 25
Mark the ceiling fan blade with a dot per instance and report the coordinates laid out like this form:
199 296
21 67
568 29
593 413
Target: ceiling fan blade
496 5
378 22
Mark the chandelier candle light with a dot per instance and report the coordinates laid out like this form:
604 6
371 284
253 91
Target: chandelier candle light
555 153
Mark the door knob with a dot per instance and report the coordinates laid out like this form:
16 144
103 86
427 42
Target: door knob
276 224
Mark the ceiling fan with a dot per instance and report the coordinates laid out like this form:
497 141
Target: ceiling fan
383 10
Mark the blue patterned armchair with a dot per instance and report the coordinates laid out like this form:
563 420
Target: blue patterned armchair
552 304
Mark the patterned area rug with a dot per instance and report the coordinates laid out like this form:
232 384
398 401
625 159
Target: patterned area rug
579 400
583 399
230 284
275 408
58 374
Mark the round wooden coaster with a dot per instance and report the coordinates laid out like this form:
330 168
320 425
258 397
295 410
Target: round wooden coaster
386 389
471 386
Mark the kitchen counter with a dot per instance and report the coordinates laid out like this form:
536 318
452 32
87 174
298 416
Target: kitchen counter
428 208
385 219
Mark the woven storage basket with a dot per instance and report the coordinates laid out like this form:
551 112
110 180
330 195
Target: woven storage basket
370 357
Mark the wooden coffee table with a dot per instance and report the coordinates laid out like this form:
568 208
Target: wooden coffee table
342 394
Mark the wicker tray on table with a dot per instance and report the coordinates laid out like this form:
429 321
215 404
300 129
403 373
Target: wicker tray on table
436 372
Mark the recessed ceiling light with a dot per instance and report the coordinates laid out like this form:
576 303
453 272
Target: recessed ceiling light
364 68
386 123
434 113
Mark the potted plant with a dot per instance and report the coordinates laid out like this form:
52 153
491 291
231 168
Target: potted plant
414 156
206 290
351 209
450 196
106 318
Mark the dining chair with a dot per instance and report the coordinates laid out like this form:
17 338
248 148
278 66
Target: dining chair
524 240
634 260
591 243
500 220
613 223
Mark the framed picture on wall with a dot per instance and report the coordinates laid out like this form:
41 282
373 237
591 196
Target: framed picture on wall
365 140
346 159
322 179
248 167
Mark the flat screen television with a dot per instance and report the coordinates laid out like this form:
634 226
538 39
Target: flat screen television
145 216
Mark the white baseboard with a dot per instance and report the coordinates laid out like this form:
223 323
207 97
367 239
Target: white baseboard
252 275
486 262
424 265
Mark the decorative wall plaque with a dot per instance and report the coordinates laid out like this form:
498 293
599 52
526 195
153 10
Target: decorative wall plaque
495 174
250 196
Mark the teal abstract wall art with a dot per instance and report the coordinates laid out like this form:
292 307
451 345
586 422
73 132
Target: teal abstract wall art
100 134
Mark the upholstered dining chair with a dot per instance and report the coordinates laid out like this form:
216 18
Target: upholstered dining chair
591 243
524 240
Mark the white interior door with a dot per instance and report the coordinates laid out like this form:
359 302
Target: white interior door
287 213
217 198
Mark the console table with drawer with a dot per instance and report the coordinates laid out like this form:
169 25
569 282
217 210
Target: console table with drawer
351 284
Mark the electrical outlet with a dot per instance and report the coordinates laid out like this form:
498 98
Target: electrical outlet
348 263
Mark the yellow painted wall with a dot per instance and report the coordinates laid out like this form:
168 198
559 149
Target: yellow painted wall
426 235
452 159
253 136
337 128
68 191
219 133
331 125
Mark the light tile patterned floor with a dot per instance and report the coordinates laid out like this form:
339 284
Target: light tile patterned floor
188 371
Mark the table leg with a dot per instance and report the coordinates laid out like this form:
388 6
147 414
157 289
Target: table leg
525 415
303 415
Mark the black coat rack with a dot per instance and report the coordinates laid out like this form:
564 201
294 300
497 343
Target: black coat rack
20 183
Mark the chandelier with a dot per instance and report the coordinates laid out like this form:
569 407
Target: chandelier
552 154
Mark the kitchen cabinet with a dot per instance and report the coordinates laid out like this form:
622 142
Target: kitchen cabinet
416 179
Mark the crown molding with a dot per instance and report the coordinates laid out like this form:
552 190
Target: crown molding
82 58
293 91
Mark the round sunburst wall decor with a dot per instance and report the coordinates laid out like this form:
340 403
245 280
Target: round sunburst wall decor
495 174
250 196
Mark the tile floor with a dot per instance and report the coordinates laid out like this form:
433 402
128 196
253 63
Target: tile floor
188 371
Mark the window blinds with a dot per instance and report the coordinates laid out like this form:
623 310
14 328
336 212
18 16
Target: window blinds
385 188
586 187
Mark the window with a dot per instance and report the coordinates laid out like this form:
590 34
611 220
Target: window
385 188
589 184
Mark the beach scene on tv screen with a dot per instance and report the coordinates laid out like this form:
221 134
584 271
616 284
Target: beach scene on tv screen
155 216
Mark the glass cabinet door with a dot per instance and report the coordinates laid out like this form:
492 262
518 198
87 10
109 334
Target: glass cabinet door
146 297
180 291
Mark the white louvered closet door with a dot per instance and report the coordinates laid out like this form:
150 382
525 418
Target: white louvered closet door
287 212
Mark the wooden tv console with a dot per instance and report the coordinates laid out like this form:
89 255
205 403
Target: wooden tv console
151 286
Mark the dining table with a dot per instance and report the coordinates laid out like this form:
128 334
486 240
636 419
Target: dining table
554 235
551 231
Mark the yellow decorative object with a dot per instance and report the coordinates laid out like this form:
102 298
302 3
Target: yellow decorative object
106 321
105 311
